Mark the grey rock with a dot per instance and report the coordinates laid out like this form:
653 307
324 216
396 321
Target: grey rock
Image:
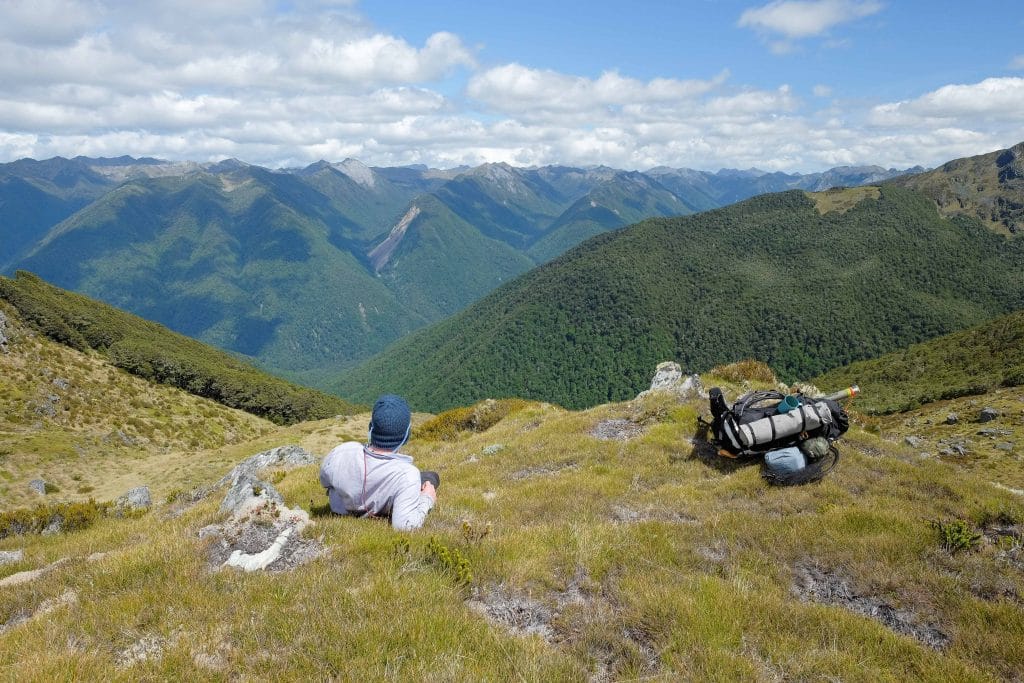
38 485
11 556
913 441
60 383
988 414
55 526
282 456
493 448
952 419
137 498
47 407
210 531
3 332
247 488
668 376
1005 446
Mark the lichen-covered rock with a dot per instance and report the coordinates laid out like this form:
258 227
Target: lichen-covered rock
11 556
248 492
282 456
137 498
668 376
3 332
38 485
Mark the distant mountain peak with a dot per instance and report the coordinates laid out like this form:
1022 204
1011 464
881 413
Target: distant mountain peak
358 171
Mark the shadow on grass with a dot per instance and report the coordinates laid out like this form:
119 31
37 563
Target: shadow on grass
322 510
705 450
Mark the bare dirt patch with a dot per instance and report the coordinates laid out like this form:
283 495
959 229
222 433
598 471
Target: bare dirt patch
812 583
543 470
581 614
616 430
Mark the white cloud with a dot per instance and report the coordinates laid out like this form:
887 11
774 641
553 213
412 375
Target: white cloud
999 99
797 19
208 79
516 88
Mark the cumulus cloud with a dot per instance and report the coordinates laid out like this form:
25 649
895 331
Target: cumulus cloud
797 19
286 84
999 99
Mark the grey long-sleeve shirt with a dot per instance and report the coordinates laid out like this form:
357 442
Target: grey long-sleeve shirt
359 481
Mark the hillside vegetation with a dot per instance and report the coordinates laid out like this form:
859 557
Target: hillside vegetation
607 544
90 429
772 278
972 361
153 352
989 187
311 270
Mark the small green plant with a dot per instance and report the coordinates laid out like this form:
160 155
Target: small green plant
474 534
277 475
51 488
72 517
451 561
85 488
175 495
956 536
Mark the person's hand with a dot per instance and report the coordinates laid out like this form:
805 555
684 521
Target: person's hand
428 489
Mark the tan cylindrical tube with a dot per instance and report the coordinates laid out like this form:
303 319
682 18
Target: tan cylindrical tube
848 392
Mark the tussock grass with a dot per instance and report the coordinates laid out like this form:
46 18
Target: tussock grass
631 557
842 199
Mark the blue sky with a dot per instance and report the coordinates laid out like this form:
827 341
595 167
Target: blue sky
792 85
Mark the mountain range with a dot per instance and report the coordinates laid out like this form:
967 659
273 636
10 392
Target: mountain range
311 270
803 281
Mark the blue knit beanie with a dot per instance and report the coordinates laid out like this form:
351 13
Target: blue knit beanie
389 426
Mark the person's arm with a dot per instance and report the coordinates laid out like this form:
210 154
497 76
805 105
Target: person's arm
412 503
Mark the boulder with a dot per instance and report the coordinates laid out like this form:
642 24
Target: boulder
913 441
952 419
137 498
282 456
3 332
987 414
668 376
11 556
38 485
248 492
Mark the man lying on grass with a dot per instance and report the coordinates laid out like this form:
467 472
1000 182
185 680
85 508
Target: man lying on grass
376 480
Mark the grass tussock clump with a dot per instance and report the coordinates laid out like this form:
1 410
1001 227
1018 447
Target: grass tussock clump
68 516
748 370
476 418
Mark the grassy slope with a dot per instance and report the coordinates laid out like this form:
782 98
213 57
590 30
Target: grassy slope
972 361
770 278
152 351
988 187
109 430
649 559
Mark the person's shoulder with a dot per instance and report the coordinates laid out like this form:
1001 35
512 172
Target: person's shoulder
348 448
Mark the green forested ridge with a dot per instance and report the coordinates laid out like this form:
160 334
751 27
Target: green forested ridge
277 265
769 278
971 361
154 352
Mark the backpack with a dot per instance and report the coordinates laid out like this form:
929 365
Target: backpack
753 425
